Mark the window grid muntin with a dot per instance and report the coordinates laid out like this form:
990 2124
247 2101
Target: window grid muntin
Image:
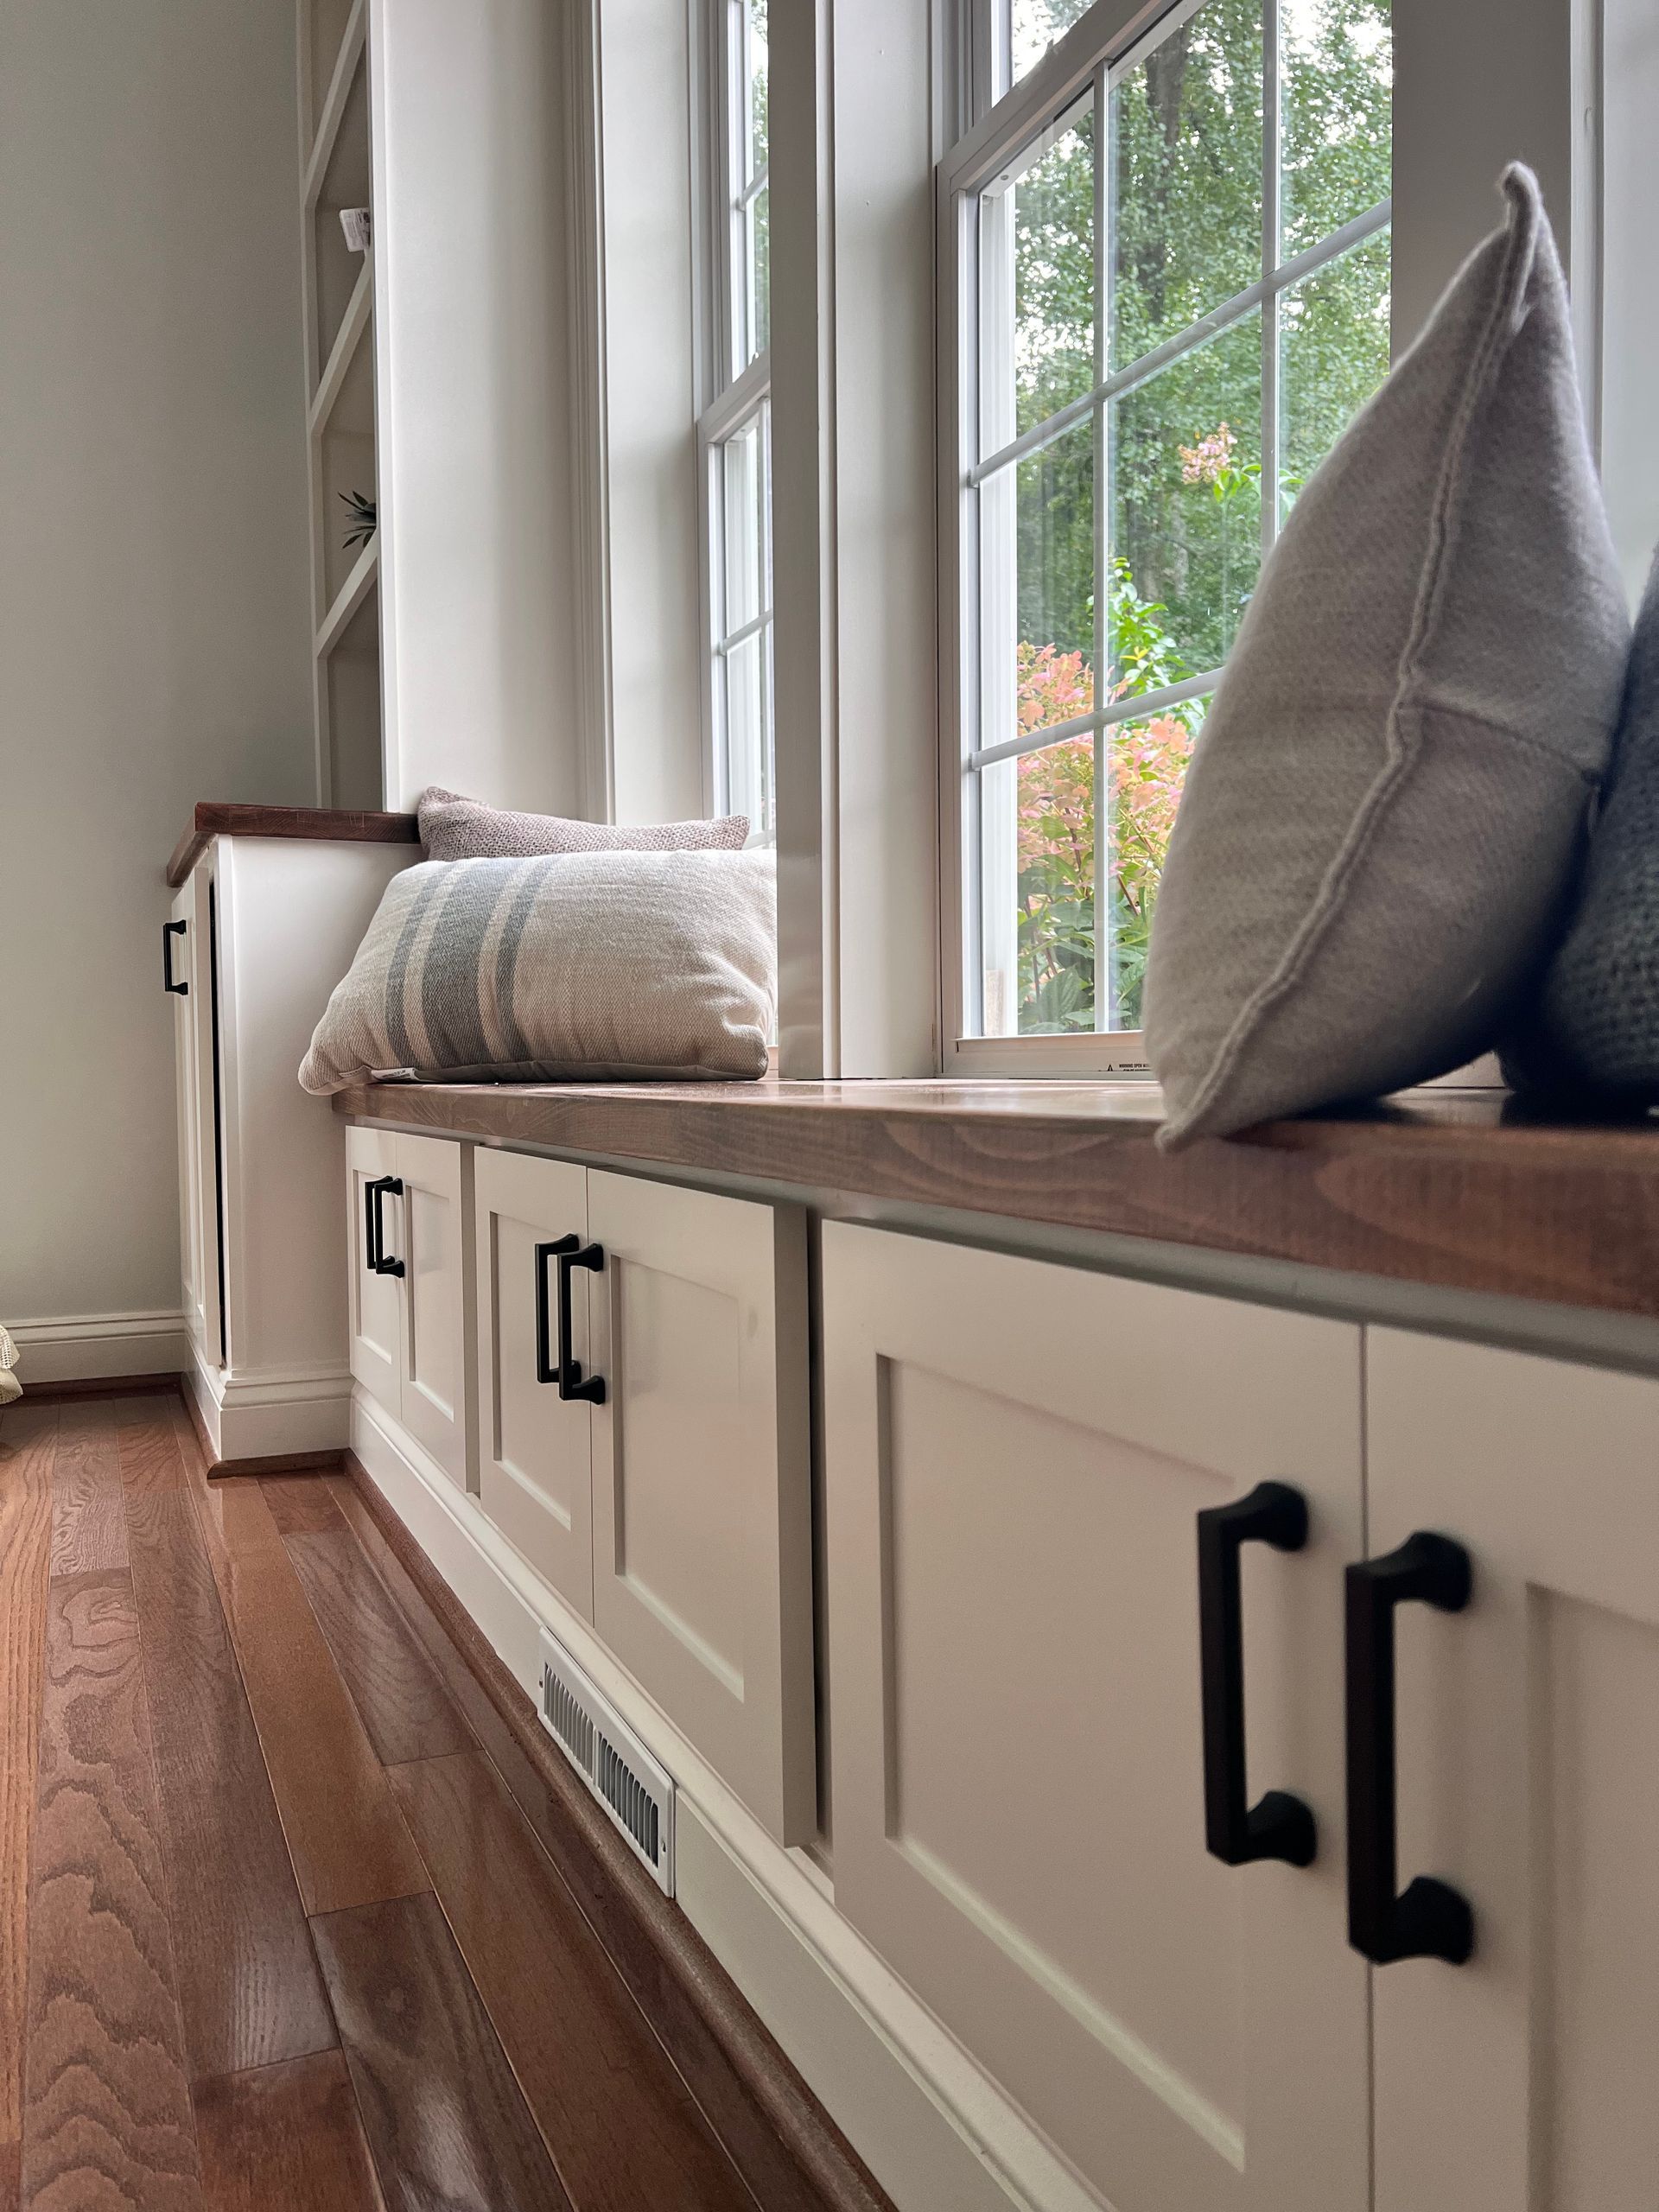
1220 320
978 470
730 635
739 399
744 181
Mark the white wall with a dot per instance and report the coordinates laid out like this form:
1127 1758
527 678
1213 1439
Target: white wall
472 371
153 644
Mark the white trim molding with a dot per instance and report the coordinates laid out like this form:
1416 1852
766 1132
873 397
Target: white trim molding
271 1412
88 1347
804 613
590 440
930 2125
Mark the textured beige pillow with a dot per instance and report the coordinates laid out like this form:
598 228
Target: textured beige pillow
456 829
1383 812
594 965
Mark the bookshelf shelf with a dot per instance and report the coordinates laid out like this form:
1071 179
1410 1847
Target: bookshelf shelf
336 173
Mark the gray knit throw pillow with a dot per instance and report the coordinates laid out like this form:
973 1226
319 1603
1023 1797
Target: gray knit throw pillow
1595 1026
1388 804
457 829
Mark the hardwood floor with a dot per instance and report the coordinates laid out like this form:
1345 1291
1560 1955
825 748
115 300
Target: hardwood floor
274 1933
248 1980
28 1449
446 2121
285 2135
106 2102
618 2148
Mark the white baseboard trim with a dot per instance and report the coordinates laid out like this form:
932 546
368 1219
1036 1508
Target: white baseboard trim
92 1347
272 1413
930 2125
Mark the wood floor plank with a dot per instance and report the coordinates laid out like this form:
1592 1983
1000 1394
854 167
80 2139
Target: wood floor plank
445 2119
406 1708
620 2123
28 1441
286 2137
782 2141
151 1464
302 1504
106 2114
89 1521
248 1982
488 1731
346 1834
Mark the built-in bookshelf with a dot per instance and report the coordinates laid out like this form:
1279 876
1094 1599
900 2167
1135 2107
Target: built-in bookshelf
339 293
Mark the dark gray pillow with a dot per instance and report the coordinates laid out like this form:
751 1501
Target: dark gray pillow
1595 1026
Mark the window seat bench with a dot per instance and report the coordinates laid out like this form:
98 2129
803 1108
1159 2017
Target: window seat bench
1459 1190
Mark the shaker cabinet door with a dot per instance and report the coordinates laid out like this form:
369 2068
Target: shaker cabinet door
434 1245
535 1445
374 1304
1527 1750
702 1579
1017 1453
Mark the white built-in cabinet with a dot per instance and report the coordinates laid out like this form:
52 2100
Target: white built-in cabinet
642 1363
410 1205
1441 1634
1246 1722
188 976
640 1359
262 1289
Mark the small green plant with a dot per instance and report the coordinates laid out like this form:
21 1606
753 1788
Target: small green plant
1061 867
362 512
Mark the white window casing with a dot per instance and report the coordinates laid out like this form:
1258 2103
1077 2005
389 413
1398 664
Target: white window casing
1505 81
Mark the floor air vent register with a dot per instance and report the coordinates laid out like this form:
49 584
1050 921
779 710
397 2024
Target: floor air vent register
634 1791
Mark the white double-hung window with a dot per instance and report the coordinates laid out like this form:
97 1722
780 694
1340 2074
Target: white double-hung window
1165 260
735 426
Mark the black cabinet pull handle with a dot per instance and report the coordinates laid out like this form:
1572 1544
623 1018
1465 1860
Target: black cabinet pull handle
375 1191
1431 1920
550 1367
1280 1826
169 982
570 1252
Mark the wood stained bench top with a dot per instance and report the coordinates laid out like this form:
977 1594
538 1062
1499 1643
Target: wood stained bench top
1462 1190
222 818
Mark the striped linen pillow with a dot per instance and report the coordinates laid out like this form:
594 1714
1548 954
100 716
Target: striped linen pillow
595 966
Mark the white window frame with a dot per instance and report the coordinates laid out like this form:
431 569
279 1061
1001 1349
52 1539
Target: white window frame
736 389
1446 203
